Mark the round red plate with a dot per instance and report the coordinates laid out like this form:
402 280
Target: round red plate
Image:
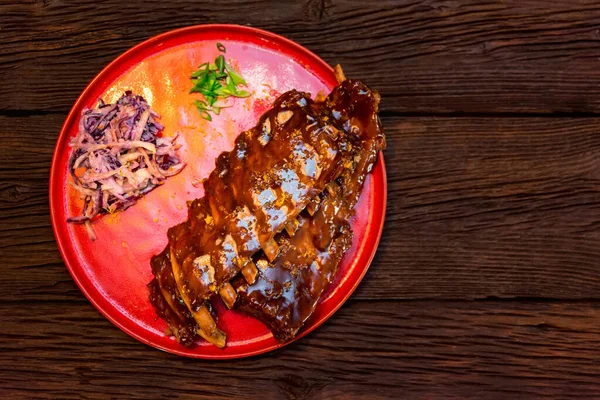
113 271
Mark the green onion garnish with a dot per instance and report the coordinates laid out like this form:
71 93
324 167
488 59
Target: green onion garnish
216 82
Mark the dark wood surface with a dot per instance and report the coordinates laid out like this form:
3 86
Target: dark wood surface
487 280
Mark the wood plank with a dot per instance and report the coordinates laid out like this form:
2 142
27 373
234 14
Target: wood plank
382 349
477 207
490 207
424 56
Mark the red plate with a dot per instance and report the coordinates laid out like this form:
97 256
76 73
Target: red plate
113 271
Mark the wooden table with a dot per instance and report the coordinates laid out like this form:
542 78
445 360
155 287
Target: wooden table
487 280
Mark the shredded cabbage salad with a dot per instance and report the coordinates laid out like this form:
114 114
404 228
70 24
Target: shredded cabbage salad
118 156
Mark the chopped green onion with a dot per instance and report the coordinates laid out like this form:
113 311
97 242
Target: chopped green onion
235 77
220 104
242 93
220 63
216 82
205 114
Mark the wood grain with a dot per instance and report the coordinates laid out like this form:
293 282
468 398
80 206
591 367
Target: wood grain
377 350
478 207
493 161
428 56
509 203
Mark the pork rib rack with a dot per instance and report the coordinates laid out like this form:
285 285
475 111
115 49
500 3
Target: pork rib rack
274 216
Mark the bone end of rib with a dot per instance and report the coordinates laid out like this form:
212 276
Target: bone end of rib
271 249
228 295
291 227
208 327
218 339
250 271
262 264
339 73
320 97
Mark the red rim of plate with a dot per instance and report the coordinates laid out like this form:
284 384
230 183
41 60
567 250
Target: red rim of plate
87 287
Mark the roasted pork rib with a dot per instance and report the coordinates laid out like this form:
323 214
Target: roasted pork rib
286 291
275 171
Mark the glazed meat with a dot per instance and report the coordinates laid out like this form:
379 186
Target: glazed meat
275 171
286 291
167 302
